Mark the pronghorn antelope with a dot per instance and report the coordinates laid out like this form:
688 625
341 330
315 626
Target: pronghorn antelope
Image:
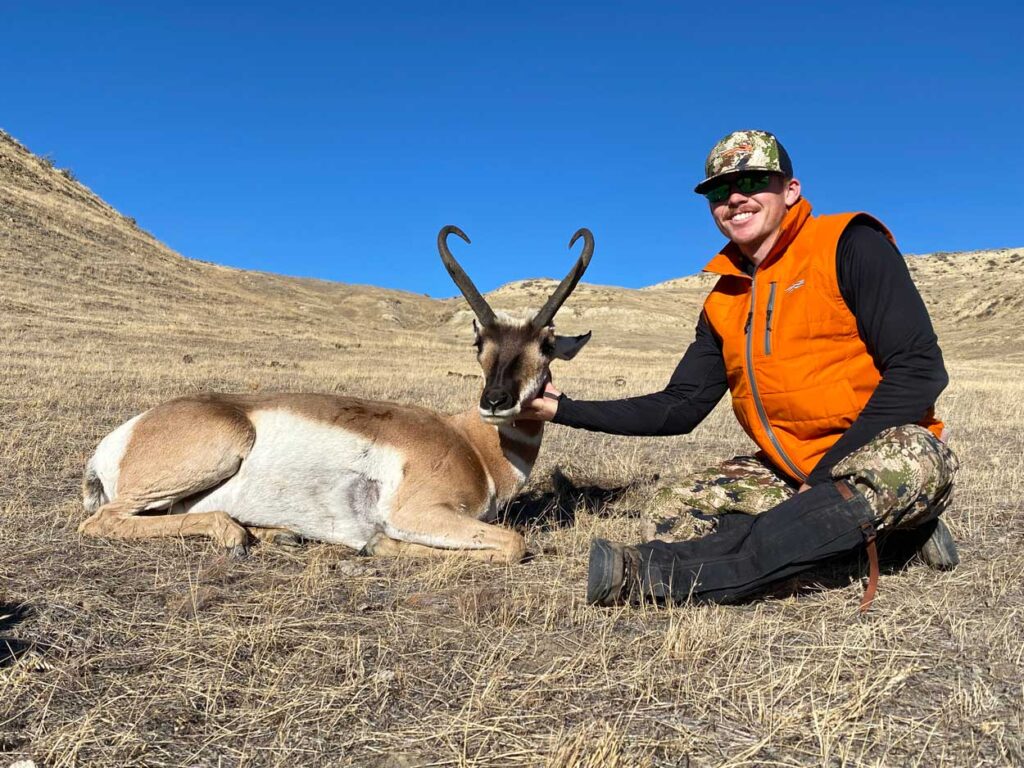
379 477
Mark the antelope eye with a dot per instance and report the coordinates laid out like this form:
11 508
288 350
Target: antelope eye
547 348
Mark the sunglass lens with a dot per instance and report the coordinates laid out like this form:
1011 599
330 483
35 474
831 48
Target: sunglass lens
717 194
750 185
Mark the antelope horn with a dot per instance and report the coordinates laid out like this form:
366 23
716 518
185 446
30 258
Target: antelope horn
477 302
547 312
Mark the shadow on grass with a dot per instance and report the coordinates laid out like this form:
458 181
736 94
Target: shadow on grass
11 615
557 508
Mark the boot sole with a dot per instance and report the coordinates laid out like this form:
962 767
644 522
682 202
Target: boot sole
604 579
940 551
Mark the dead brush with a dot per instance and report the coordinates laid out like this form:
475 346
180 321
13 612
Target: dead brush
316 655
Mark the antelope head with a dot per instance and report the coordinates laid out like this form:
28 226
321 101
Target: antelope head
516 353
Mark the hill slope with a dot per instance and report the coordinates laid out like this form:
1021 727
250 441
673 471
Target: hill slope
72 264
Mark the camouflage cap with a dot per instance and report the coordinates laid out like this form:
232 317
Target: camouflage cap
745 151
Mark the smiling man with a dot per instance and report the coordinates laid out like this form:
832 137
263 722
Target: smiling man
818 332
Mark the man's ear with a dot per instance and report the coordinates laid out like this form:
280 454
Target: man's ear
567 347
792 192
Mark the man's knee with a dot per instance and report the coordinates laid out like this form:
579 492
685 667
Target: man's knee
691 505
741 484
906 473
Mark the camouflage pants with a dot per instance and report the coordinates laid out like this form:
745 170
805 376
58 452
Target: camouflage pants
905 473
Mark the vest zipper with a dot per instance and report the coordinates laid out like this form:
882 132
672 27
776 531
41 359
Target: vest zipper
768 320
761 414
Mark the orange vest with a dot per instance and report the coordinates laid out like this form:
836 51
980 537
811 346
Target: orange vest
798 371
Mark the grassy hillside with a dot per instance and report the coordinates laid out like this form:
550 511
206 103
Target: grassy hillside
162 653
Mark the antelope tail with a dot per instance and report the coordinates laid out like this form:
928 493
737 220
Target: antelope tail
93 495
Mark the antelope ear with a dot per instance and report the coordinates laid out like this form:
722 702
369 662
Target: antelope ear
567 347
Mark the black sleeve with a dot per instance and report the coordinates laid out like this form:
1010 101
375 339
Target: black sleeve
894 324
696 386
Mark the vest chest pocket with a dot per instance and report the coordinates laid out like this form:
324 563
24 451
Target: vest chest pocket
770 316
795 314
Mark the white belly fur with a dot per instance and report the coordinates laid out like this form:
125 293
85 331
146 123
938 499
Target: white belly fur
315 479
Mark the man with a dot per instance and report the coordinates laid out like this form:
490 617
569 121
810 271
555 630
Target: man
818 332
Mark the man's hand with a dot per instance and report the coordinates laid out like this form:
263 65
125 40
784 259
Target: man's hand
804 487
542 408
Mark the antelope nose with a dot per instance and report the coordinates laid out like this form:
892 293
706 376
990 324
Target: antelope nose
497 399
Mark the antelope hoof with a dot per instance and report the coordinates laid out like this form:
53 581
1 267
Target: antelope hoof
367 550
378 545
288 540
237 551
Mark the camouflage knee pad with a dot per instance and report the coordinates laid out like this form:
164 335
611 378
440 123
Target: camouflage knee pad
906 474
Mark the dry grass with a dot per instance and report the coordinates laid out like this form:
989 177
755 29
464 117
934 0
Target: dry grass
162 653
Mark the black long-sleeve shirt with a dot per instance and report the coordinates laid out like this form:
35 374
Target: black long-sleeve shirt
891 319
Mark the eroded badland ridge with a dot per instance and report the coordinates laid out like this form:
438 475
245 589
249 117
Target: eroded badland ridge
70 259
160 652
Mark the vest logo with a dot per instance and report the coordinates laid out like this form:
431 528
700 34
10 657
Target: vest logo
794 286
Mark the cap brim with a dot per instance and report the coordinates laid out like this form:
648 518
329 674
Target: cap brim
705 185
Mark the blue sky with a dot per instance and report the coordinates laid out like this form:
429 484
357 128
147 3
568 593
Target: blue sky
334 140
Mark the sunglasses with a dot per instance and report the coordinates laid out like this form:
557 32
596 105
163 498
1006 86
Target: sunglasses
747 184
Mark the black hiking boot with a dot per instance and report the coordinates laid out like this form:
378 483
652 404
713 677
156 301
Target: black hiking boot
939 550
613 577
